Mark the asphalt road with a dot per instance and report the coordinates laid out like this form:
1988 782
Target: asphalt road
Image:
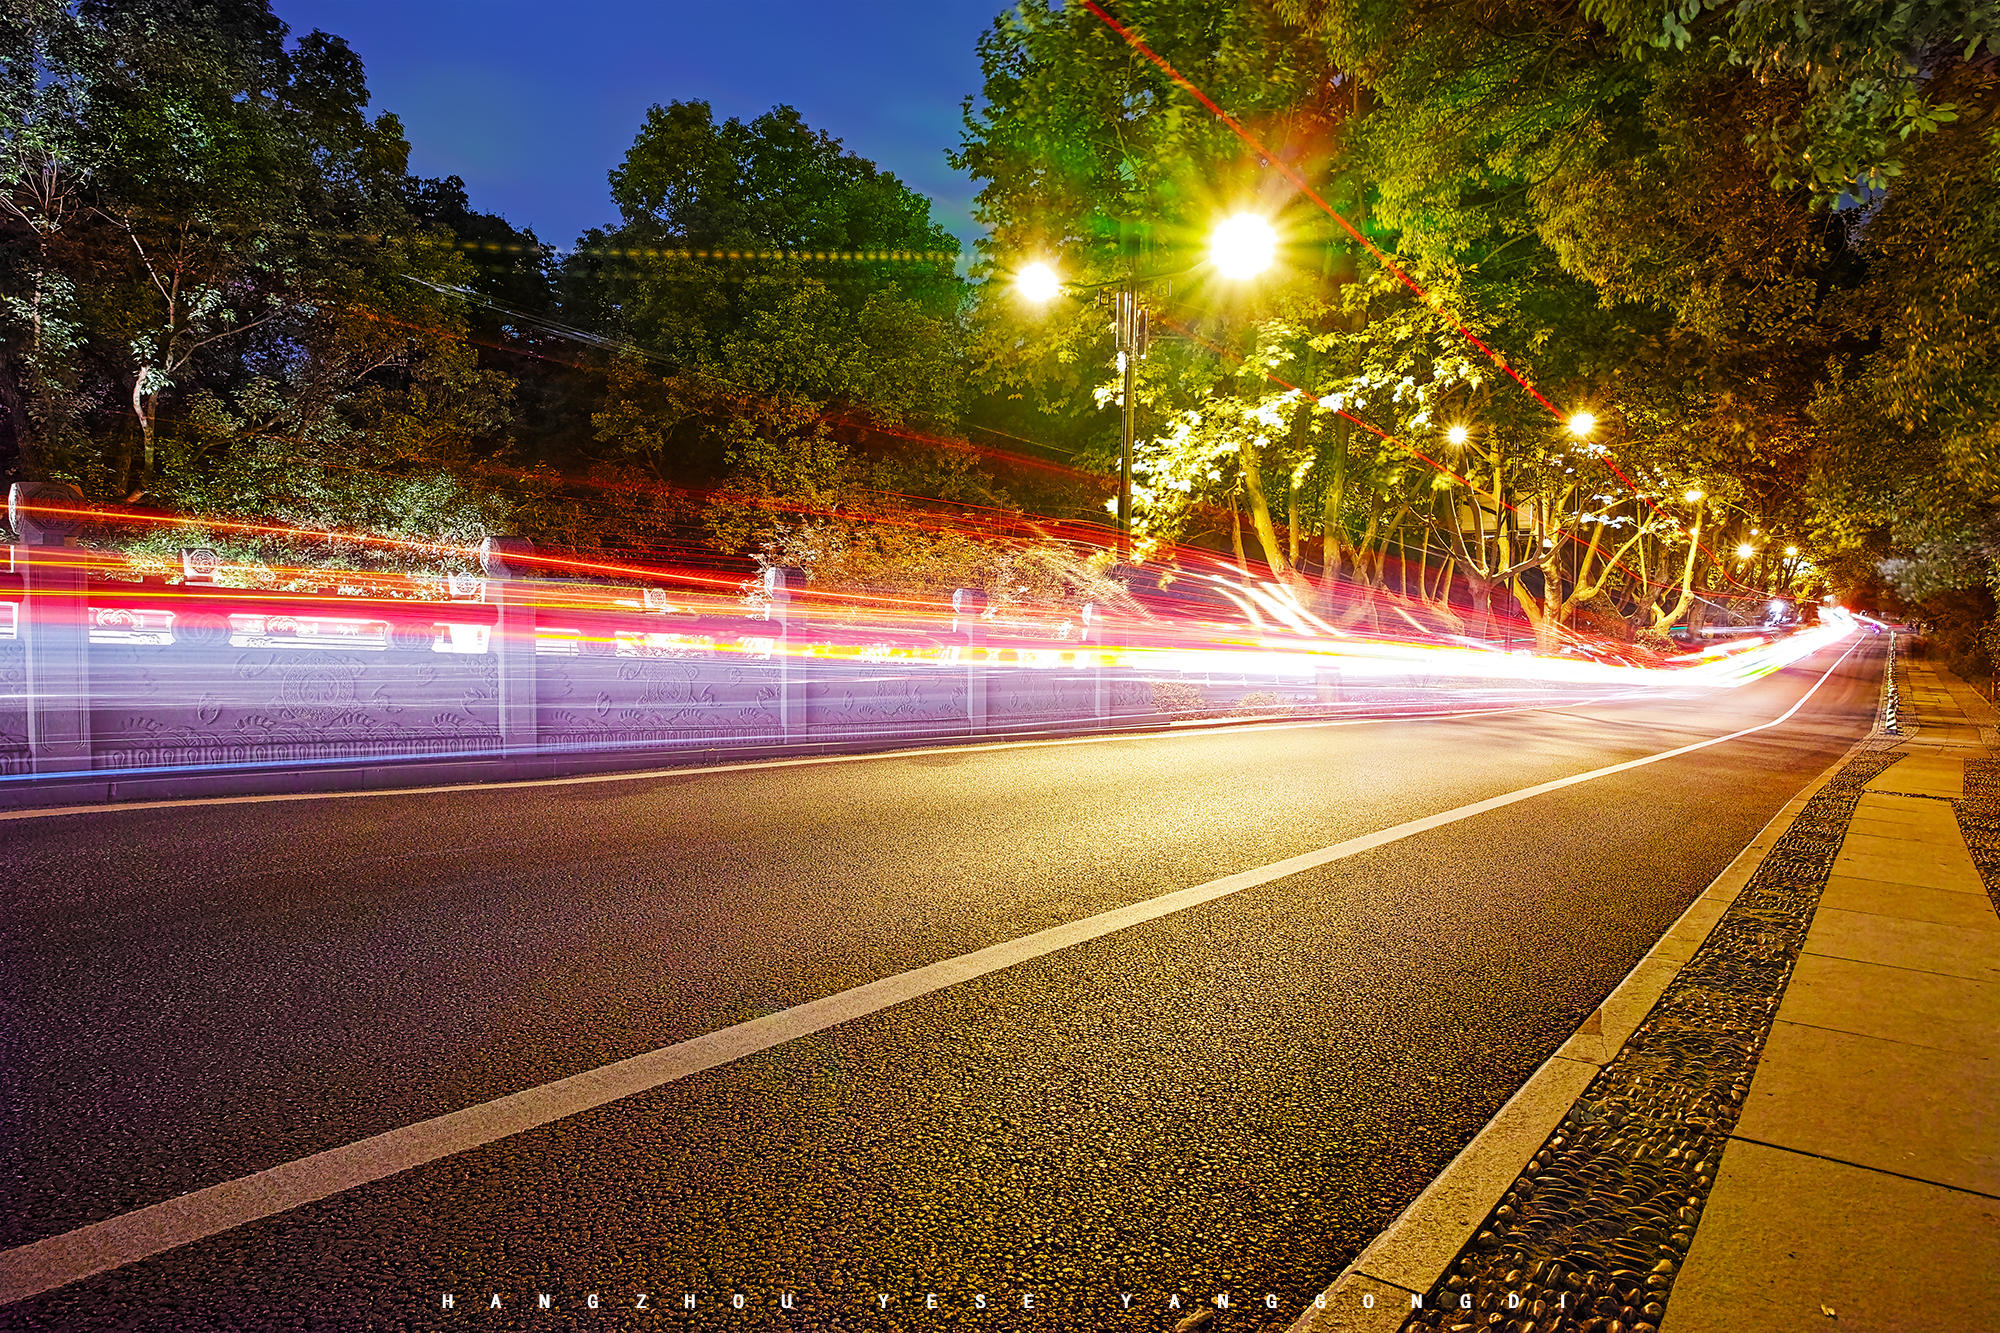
1234 1097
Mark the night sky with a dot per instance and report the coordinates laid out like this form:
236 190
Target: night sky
533 102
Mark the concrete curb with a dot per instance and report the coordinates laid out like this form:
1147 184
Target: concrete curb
1373 1293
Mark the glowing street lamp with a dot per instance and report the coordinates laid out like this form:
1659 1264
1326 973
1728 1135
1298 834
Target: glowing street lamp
1242 246
1037 283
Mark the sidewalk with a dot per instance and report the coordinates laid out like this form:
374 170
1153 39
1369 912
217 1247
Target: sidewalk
1787 1117
1861 1187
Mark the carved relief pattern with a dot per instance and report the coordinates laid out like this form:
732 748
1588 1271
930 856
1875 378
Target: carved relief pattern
1038 696
610 701
926 702
189 704
13 709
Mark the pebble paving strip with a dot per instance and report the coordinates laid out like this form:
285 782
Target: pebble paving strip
1979 820
1589 1239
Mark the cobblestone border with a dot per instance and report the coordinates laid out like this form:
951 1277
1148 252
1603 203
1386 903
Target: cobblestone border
1979 821
1590 1237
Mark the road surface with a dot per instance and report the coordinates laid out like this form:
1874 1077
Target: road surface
1231 1096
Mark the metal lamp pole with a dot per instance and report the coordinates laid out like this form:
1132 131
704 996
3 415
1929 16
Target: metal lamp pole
1132 341
1243 246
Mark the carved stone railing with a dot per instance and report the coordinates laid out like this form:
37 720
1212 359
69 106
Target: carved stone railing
89 683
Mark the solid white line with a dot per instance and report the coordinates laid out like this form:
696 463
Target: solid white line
43 1265
1220 727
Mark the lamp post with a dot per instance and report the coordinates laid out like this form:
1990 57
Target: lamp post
1241 247
1132 339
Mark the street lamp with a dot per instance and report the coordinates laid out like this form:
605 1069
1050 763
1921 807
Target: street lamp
1037 283
1240 247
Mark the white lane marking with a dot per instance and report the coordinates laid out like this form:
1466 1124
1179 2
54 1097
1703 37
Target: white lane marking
640 775
43 1265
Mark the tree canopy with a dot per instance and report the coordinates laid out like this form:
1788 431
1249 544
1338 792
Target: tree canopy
1755 243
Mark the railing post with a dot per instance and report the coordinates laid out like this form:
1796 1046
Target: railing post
513 641
780 612
1093 636
54 626
966 606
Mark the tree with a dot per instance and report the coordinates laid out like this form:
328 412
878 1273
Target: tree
779 297
210 239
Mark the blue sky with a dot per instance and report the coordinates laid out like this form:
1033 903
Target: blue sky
532 102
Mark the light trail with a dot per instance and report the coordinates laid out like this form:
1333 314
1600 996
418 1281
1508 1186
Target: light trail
1266 631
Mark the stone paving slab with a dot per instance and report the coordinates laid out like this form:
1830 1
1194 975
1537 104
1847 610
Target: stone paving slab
1894 1004
1925 946
1923 774
1893 830
1908 902
1925 811
1933 865
1880 1104
1791 1243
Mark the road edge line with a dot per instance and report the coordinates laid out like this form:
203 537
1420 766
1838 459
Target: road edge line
1408 1256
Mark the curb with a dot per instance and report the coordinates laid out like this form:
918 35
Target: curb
1373 1293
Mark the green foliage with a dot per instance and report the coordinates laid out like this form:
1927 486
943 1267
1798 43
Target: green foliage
1856 74
209 248
771 372
1756 241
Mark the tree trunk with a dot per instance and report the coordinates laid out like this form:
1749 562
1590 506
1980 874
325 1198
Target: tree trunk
1260 511
1538 620
1236 533
1663 622
1333 503
1484 623
143 404
1292 524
